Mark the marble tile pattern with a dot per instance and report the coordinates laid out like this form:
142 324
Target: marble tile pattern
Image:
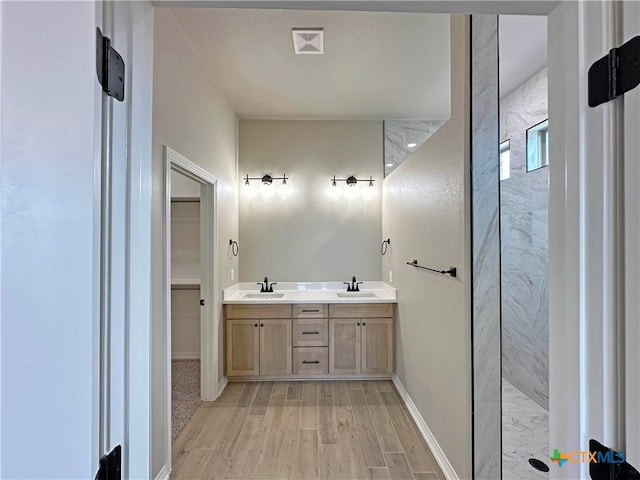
524 212
525 435
486 246
400 133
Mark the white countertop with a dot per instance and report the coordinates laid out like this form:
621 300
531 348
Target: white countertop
309 292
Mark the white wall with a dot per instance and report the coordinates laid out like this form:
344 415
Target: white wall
185 242
48 283
426 216
309 230
193 118
185 267
182 186
185 323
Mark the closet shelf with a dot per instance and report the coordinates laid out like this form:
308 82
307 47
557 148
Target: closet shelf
185 283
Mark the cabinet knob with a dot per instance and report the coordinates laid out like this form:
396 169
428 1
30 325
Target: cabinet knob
358 324
255 325
262 324
364 324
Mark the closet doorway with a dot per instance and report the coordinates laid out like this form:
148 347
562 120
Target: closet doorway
190 279
185 300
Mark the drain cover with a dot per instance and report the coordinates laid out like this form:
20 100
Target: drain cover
538 465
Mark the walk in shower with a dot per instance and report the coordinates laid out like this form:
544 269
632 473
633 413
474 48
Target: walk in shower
524 206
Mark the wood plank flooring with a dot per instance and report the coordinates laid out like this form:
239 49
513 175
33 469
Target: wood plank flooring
304 430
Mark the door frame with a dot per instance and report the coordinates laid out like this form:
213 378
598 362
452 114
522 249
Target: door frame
570 186
210 313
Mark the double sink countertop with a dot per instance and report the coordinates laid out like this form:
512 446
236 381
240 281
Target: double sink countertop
309 292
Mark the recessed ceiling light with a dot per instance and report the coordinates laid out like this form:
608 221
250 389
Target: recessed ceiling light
412 145
389 165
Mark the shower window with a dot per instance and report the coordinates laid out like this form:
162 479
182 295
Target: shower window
538 146
505 160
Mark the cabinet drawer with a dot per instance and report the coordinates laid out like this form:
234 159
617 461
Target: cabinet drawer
310 332
258 311
310 361
361 310
311 310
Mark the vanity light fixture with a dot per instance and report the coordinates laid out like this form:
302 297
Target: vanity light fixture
266 179
350 180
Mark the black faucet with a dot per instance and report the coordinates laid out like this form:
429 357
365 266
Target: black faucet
353 286
266 287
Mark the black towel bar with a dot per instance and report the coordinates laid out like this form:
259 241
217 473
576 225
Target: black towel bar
452 270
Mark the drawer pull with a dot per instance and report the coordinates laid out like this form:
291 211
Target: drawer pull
314 361
310 333
309 310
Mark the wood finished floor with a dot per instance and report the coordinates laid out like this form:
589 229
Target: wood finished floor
304 430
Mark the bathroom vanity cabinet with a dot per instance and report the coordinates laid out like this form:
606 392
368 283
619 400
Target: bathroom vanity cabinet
285 341
259 340
361 339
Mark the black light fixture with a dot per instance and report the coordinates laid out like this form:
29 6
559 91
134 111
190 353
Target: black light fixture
266 179
350 180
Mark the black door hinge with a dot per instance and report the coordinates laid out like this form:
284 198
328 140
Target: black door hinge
111 465
615 74
202 302
608 464
109 67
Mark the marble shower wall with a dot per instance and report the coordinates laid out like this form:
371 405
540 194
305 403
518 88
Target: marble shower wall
524 204
485 201
399 133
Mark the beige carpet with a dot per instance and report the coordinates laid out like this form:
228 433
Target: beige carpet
185 393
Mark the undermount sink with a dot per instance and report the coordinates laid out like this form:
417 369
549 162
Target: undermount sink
356 295
264 295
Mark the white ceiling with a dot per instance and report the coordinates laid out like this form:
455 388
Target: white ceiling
376 65
523 49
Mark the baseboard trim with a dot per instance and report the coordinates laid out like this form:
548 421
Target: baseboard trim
438 453
315 378
222 384
185 356
164 473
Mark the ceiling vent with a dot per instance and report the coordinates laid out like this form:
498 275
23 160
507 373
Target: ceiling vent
308 41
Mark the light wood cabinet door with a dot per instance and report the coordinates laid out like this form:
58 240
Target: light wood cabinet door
377 345
344 345
243 347
275 347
